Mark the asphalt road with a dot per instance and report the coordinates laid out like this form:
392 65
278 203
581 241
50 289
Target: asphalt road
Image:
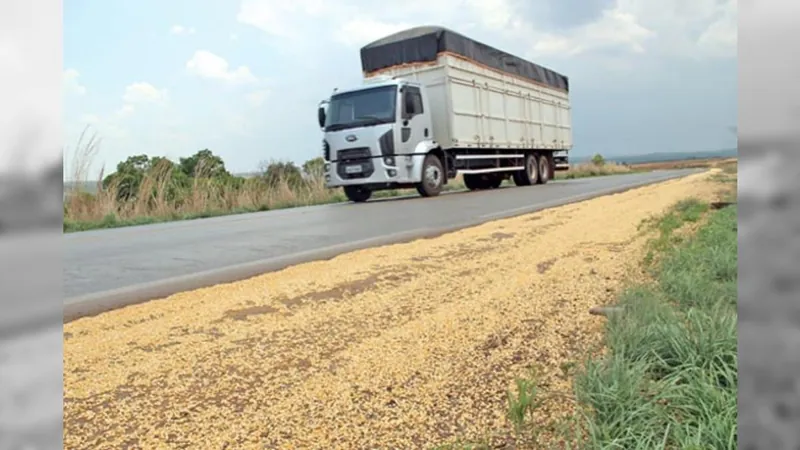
97 262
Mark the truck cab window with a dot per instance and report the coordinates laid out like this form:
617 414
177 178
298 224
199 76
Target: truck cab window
413 102
366 107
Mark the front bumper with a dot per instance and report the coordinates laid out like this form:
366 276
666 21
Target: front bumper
375 170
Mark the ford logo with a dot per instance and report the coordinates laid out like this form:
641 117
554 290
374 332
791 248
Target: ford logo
351 138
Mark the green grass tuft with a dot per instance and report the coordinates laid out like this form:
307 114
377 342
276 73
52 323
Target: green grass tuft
670 379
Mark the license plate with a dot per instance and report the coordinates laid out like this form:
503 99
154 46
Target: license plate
352 169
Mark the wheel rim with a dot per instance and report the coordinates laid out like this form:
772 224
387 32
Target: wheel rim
545 175
432 176
533 170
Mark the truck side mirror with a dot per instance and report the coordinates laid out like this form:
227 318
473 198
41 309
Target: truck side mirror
321 116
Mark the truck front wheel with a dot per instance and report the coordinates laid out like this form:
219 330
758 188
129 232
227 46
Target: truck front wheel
357 194
432 177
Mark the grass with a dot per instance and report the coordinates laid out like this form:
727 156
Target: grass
684 212
585 170
669 379
158 201
666 377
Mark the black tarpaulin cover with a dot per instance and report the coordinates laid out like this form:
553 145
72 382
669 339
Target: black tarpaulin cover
423 44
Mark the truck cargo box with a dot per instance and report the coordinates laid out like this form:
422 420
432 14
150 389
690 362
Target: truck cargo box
480 97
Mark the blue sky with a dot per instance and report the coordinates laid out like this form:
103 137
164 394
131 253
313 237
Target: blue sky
243 78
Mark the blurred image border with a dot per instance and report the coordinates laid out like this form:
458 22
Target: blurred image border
31 204
767 139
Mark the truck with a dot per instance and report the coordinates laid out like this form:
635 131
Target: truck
435 104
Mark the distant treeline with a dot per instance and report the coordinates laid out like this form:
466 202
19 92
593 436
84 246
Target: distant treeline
662 157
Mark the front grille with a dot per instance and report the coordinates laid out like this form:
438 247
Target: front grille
353 154
355 163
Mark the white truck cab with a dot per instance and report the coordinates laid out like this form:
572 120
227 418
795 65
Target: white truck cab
377 136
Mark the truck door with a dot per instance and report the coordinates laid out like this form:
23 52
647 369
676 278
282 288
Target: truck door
415 124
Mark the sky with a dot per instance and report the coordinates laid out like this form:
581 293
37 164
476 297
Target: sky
244 78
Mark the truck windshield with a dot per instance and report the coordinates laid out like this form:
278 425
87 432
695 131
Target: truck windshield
372 106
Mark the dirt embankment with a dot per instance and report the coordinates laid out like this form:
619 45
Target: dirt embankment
402 346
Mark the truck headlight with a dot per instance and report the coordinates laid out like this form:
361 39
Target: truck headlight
389 160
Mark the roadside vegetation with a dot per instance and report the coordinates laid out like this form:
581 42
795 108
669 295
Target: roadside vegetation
669 379
665 376
149 189
597 166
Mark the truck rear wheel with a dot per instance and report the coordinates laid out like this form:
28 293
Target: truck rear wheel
529 175
494 181
432 177
545 168
357 194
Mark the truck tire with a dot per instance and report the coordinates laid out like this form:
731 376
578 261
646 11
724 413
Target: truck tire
472 181
545 169
530 175
357 194
494 181
432 177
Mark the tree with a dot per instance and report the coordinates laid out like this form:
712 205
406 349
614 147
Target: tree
314 167
129 176
282 171
203 164
598 160
131 173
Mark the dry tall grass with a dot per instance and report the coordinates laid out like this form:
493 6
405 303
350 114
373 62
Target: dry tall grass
159 197
589 169
206 197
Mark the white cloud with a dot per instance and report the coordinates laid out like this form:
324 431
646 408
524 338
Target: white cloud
125 111
71 83
180 30
257 98
111 125
494 14
721 37
614 29
677 28
208 65
356 22
141 92
360 31
680 24
284 18
680 28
